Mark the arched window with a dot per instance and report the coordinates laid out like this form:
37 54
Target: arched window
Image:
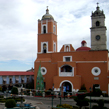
54 46
44 29
54 29
44 48
97 23
66 68
67 48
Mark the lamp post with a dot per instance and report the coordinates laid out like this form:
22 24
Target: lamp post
60 95
90 96
7 92
21 96
52 97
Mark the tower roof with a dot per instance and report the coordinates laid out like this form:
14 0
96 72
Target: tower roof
47 15
98 12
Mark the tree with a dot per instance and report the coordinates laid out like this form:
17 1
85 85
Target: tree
81 100
10 103
39 80
14 90
83 88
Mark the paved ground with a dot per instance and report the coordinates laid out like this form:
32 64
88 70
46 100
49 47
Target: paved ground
46 103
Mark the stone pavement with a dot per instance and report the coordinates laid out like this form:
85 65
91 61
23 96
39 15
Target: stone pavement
39 105
36 101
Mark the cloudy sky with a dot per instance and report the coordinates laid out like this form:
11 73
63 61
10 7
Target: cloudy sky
18 27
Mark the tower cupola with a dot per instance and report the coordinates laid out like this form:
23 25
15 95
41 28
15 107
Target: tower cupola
47 15
98 12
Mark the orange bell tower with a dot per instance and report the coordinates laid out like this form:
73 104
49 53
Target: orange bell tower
47 34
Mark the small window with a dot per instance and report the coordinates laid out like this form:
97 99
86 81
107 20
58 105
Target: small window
54 47
96 71
54 29
44 48
66 68
67 58
67 47
44 29
97 23
43 70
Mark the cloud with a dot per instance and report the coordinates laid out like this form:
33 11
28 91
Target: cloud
18 26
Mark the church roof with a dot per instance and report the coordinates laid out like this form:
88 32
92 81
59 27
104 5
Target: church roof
47 15
13 73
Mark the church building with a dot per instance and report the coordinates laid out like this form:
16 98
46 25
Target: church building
69 67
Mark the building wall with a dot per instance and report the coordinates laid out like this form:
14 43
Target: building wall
83 62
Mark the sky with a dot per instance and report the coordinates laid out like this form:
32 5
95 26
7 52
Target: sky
19 21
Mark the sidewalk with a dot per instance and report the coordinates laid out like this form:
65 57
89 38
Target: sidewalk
36 101
39 105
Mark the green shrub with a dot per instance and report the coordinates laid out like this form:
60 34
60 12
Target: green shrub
59 105
1 96
105 108
18 99
81 96
83 87
65 106
81 100
14 90
101 103
10 103
48 92
82 91
105 95
95 107
0 88
2 100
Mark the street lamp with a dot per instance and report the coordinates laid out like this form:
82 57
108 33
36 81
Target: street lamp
21 96
7 92
90 96
60 95
52 97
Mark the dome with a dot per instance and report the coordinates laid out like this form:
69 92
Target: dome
83 46
83 42
47 15
98 12
83 49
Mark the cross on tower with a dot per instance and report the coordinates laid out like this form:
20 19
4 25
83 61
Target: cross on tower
97 4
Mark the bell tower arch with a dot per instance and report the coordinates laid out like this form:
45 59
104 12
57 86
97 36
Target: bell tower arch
47 34
98 30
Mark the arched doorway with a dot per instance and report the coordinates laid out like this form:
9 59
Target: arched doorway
67 86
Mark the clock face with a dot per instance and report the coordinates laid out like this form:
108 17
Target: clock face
97 37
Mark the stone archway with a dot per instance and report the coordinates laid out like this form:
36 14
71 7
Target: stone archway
68 84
